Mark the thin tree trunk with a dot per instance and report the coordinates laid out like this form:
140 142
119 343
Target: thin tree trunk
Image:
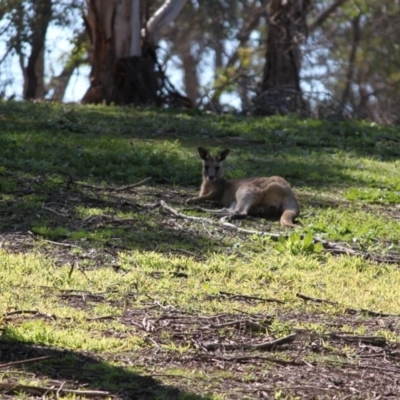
34 72
189 64
280 89
112 30
352 58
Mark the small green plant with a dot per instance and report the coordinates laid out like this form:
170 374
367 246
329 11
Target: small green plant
295 245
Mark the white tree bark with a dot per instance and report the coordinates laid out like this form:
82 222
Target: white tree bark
121 73
163 16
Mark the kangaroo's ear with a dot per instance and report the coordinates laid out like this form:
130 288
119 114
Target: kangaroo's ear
203 153
223 154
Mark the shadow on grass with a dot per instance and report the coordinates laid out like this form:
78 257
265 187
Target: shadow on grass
123 145
115 145
109 223
79 370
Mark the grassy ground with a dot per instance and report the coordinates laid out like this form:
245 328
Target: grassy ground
107 293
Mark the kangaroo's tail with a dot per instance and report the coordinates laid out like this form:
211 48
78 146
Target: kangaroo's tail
291 210
287 218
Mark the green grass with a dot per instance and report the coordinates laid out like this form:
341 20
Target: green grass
115 290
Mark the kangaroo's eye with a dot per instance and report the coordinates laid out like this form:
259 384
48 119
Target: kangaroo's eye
206 167
216 168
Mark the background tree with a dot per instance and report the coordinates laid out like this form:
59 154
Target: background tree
287 30
353 70
231 55
25 25
122 55
216 46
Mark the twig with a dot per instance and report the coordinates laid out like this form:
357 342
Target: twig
55 212
13 388
113 188
177 214
104 318
376 340
133 185
232 296
59 389
232 227
32 312
245 346
315 300
62 244
29 360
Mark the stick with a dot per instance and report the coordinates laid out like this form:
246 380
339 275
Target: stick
133 185
112 188
377 340
29 360
246 346
44 390
62 244
177 214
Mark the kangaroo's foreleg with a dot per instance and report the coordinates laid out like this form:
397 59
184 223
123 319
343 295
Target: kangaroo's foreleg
200 199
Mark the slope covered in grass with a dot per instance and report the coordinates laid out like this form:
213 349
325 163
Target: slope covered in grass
128 299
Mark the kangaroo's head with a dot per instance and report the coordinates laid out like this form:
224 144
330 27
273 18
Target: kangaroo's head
212 166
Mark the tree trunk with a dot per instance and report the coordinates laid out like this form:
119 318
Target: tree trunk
34 71
280 88
190 78
352 58
123 60
114 32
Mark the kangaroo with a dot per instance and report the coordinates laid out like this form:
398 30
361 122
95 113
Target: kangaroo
247 196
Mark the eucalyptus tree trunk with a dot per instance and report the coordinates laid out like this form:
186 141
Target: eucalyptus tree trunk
280 89
34 71
122 54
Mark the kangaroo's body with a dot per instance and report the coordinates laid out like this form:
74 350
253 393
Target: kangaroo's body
267 196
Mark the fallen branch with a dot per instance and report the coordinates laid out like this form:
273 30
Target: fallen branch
38 390
133 185
246 346
177 214
113 188
32 312
20 362
62 244
375 340
233 296
49 209
315 300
